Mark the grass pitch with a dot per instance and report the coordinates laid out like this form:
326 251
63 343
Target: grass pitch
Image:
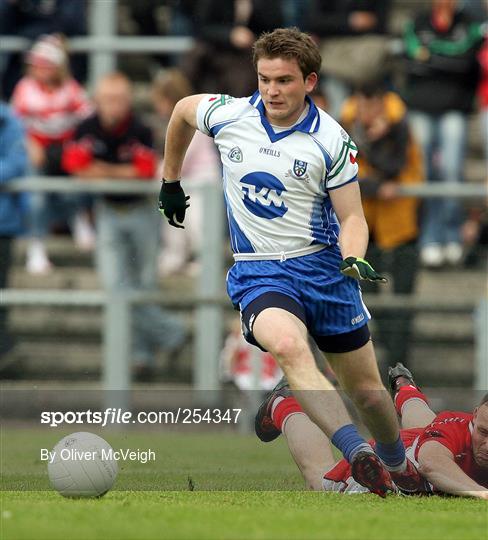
242 489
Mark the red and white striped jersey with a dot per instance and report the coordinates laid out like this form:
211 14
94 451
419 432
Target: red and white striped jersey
50 115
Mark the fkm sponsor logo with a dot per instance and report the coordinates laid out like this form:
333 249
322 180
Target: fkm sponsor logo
262 195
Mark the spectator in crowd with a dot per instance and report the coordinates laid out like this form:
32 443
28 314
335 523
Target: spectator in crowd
347 18
51 104
226 32
201 166
483 86
475 236
178 21
441 78
388 159
33 18
237 363
14 160
352 34
180 16
474 231
477 9
114 143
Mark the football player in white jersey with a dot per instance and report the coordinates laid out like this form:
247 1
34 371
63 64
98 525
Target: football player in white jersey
289 178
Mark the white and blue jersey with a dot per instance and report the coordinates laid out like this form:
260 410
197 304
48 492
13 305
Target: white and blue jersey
276 181
283 229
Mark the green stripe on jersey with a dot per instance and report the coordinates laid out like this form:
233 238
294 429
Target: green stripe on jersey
342 159
223 100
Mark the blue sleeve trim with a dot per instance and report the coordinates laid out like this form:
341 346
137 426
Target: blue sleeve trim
217 127
354 179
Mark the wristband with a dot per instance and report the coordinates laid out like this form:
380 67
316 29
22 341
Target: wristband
171 187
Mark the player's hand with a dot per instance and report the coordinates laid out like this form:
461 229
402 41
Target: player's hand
360 269
173 203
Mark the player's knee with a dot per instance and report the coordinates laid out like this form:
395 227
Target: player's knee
289 350
368 399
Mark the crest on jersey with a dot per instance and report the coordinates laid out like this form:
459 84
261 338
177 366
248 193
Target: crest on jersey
235 155
299 168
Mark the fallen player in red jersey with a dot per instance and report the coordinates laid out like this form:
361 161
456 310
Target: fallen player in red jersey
450 448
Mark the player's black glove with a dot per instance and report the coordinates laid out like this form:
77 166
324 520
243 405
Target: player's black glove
173 203
360 269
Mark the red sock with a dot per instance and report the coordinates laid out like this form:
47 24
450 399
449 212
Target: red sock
404 394
282 411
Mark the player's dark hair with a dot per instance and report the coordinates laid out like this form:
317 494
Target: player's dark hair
484 400
289 43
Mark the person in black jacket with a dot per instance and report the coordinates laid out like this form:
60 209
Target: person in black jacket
115 144
328 18
442 74
226 32
342 26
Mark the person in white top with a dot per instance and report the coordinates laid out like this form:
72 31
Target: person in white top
289 182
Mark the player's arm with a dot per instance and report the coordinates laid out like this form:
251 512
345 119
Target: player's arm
437 465
181 128
182 125
353 236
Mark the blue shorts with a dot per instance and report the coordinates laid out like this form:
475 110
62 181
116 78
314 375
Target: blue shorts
331 302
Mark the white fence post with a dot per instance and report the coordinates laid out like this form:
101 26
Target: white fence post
102 22
117 351
209 320
481 346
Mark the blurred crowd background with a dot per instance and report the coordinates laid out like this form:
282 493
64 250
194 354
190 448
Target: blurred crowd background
407 79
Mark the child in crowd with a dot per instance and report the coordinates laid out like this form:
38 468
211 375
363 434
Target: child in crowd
51 104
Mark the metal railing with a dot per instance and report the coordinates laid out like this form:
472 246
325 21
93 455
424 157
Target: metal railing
117 44
65 184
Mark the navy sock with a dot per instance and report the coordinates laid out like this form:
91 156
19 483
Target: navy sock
348 441
391 454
